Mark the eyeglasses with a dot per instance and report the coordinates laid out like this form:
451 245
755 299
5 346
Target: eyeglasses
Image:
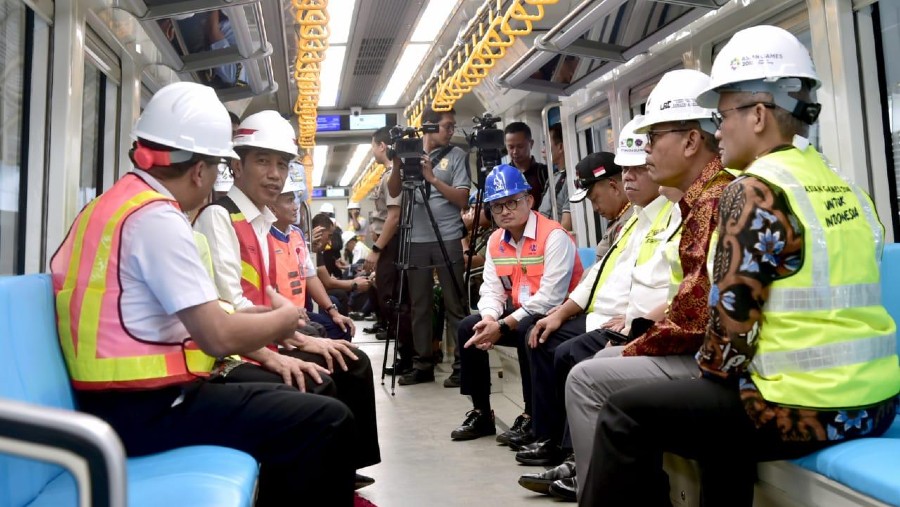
653 135
448 126
510 205
718 117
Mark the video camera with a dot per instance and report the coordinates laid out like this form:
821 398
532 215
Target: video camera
406 143
488 140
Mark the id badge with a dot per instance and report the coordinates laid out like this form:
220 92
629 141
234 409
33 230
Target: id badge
524 293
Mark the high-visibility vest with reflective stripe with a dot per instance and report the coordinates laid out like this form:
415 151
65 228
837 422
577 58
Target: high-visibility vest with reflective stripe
530 267
99 352
673 257
290 266
825 340
254 276
653 240
608 262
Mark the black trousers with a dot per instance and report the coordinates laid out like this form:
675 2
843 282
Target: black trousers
302 441
354 387
475 368
549 415
699 419
387 279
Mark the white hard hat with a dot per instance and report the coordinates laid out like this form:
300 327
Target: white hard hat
761 59
327 208
347 236
674 99
188 117
267 130
224 180
353 205
295 180
630 151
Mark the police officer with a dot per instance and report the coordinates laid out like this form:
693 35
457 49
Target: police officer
138 318
531 263
797 332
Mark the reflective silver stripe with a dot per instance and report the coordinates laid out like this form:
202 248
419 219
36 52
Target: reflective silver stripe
824 298
822 357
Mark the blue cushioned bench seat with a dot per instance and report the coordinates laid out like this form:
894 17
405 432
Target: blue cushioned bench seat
32 370
588 256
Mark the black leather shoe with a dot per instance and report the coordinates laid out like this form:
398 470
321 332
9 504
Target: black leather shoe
543 453
452 380
416 377
521 426
355 315
381 335
374 329
540 483
362 481
476 425
402 370
565 489
519 442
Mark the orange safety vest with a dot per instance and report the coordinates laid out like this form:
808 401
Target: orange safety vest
290 265
254 277
99 351
529 268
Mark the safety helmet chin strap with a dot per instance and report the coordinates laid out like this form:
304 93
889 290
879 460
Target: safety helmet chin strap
807 112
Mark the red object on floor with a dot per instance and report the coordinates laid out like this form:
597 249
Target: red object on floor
359 501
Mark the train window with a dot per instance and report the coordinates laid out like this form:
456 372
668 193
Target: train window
889 14
12 92
100 120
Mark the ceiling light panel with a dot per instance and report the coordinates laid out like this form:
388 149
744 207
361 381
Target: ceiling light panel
406 67
432 20
340 16
330 75
360 154
320 159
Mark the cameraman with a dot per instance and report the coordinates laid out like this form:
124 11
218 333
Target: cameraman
519 144
445 169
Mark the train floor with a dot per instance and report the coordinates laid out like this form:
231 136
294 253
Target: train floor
420 465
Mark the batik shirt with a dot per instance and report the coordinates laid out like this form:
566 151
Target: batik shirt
682 331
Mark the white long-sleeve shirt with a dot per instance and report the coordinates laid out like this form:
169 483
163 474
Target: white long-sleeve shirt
559 262
612 298
650 280
214 222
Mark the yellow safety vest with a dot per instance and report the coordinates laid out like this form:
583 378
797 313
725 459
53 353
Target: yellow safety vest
825 340
609 261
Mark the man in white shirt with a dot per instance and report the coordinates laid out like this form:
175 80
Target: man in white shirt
167 300
635 288
237 228
531 260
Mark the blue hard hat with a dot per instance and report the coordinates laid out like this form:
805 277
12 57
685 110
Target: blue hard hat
503 181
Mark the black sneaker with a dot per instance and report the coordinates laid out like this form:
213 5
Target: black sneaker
452 380
476 425
415 376
521 426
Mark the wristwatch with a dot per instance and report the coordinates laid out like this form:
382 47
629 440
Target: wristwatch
376 248
504 327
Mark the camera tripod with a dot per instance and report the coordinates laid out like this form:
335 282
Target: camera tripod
407 207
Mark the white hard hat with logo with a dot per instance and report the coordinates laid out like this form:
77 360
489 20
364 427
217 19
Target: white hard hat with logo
675 99
327 208
187 117
267 130
224 180
630 151
764 59
295 179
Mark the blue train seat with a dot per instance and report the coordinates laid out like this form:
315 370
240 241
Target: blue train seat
588 256
37 406
870 465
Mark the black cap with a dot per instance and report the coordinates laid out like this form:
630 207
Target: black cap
591 169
